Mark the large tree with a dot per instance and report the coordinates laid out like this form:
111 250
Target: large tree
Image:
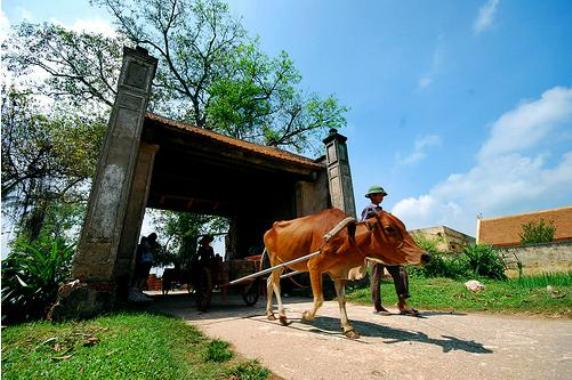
211 73
47 159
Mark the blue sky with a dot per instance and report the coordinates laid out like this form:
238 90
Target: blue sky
458 108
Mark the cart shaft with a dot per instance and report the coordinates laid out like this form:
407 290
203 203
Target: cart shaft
264 271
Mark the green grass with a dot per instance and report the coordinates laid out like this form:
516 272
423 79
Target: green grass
528 295
121 346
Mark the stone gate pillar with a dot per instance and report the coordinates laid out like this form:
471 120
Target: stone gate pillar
138 197
339 174
94 264
108 201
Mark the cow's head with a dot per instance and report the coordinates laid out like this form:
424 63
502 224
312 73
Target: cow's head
392 243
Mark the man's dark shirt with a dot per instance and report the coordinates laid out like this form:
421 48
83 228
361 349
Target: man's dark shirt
370 211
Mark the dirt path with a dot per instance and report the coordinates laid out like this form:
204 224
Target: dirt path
437 346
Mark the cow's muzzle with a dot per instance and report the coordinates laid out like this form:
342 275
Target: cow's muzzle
425 258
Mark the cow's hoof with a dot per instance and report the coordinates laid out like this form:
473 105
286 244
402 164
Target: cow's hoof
271 317
307 317
283 320
352 334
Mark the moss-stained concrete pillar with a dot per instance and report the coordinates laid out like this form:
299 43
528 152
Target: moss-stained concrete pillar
97 255
139 195
339 175
108 201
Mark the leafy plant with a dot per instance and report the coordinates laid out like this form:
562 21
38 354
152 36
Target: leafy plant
484 260
537 232
31 275
250 370
179 232
442 264
479 260
217 351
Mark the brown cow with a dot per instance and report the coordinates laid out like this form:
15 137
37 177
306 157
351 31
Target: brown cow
383 237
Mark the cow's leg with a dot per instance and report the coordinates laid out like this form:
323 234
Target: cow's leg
316 282
269 297
273 285
341 293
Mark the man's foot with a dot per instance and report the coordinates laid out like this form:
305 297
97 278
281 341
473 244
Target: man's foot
381 311
412 312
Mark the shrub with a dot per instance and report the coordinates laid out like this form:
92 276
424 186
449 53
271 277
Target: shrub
483 260
250 370
31 275
537 232
442 264
217 351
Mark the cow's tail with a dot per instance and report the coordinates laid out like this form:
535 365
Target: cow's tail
264 260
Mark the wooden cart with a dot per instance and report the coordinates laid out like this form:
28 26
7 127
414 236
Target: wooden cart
215 276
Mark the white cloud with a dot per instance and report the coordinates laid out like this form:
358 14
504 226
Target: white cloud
4 26
90 26
420 149
424 82
486 16
436 62
504 177
25 14
528 123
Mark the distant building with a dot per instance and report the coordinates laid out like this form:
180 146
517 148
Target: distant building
447 239
505 231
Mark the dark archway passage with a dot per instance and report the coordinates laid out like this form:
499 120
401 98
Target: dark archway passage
205 173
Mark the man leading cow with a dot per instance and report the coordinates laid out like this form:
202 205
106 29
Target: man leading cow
383 237
400 278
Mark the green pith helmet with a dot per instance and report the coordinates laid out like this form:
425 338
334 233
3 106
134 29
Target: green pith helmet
376 189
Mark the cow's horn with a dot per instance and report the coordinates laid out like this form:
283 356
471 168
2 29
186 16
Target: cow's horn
334 231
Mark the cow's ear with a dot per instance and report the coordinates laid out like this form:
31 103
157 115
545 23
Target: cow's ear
352 230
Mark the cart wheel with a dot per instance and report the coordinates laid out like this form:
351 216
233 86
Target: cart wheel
204 289
251 292
165 287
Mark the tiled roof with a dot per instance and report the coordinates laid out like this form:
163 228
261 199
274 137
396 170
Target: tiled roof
262 150
506 230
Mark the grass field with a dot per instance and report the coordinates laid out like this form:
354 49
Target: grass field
122 346
528 295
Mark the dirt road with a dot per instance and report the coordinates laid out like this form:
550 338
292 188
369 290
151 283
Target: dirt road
436 346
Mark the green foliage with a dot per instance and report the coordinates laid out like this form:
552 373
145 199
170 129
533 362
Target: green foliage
537 232
83 67
484 260
47 160
474 260
120 346
250 370
442 265
546 279
179 232
31 275
210 72
217 351
260 102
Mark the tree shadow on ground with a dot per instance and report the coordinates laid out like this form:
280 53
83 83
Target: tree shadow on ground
391 335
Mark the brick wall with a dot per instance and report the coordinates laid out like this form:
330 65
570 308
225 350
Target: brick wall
505 231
